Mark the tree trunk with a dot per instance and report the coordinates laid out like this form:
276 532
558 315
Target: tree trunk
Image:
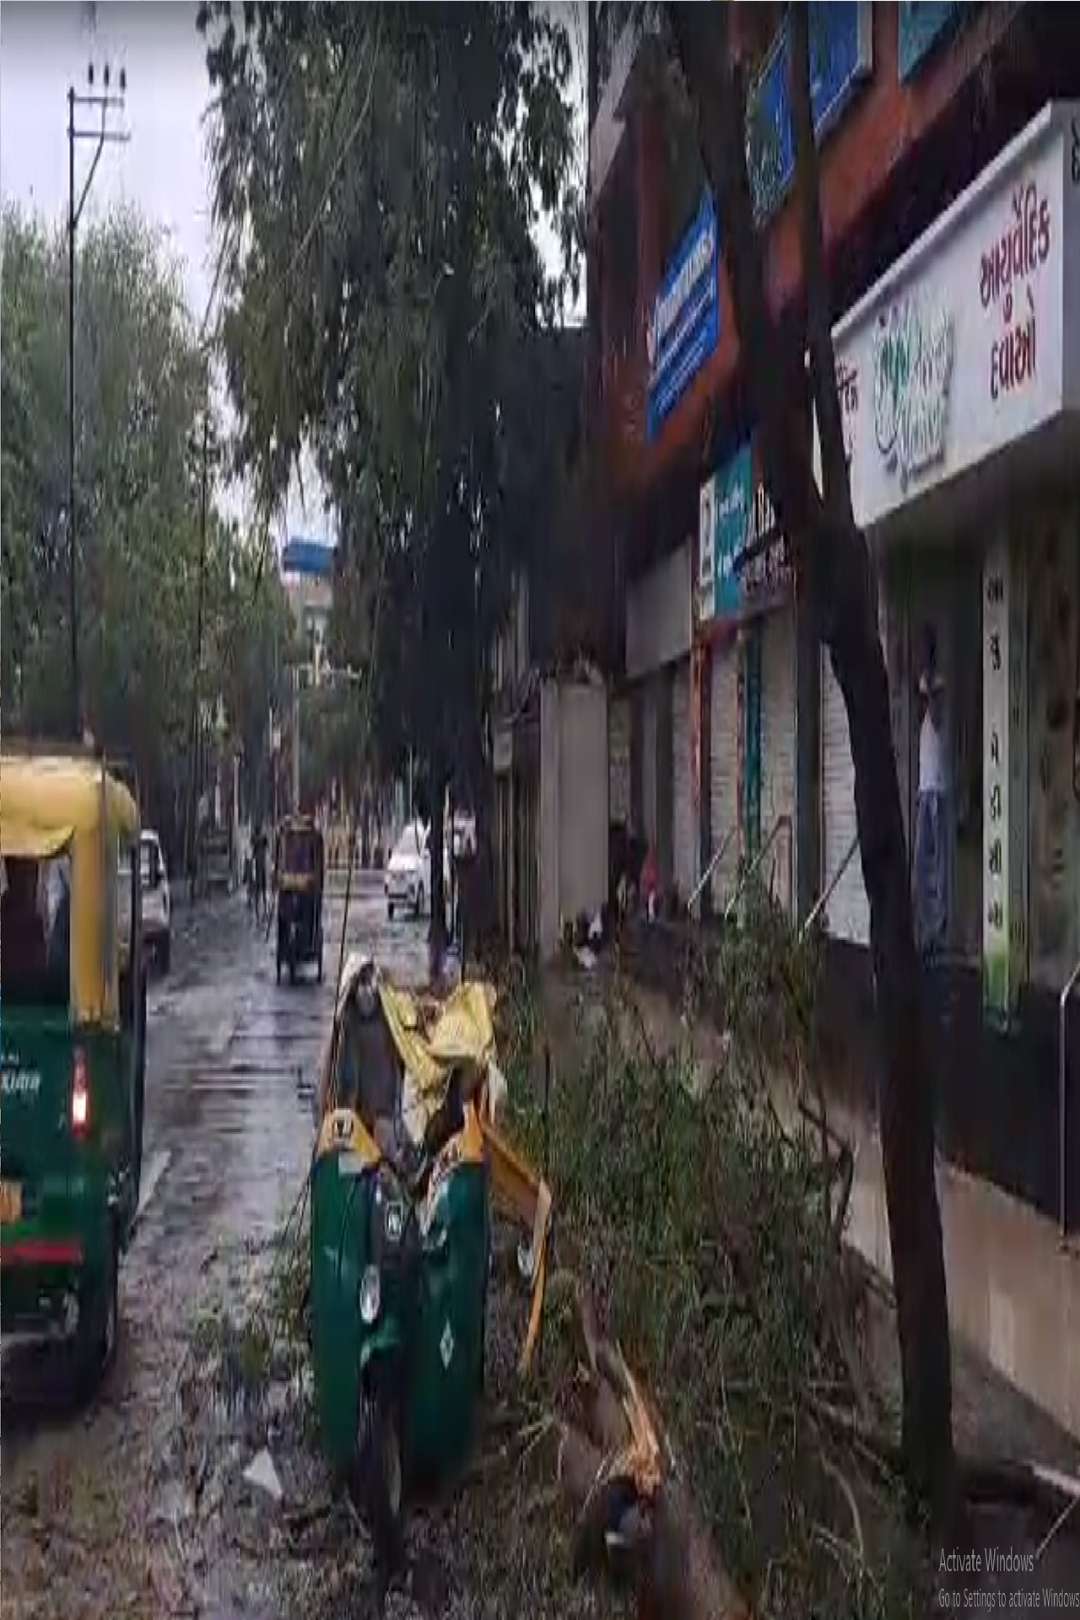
905 1095
833 564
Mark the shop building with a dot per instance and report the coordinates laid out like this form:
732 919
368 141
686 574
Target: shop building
957 372
961 406
746 651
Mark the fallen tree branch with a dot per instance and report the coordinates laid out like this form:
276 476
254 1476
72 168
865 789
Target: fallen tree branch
635 1519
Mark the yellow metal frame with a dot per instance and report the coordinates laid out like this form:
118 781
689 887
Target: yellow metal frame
343 1131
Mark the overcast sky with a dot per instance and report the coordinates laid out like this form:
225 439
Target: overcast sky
44 48
163 169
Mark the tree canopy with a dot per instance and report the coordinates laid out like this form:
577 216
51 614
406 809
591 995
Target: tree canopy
140 394
380 175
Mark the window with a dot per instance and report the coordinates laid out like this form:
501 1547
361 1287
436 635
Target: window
301 853
35 929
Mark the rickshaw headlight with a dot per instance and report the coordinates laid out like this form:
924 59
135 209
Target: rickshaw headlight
370 1291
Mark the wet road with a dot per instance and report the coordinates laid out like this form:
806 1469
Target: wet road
232 1063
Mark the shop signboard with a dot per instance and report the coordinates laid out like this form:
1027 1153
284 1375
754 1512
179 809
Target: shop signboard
920 25
969 341
743 564
1004 619
683 328
841 55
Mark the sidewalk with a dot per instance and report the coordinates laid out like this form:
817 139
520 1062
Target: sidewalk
1014 1292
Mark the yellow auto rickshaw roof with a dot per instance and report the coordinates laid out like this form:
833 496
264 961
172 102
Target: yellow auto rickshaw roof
46 799
300 824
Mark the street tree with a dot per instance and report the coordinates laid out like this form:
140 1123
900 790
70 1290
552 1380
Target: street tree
836 578
380 173
140 384
141 395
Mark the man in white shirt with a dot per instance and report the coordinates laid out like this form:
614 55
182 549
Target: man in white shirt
931 819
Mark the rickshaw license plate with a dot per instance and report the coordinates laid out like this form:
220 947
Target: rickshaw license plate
10 1201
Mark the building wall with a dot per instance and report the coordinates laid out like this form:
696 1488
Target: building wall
658 615
862 157
573 806
583 799
550 818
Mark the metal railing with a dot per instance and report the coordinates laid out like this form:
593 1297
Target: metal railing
1070 985
710 869
827 893
748 871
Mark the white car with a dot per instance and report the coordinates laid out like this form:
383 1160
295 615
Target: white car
408 874
156 901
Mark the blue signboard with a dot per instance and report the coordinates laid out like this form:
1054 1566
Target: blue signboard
841 50
920 24
743 553
684 327
733 491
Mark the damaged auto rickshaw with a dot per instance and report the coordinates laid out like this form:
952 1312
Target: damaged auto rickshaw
407 1164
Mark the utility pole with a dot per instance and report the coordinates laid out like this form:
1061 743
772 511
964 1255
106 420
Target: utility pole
192 829
119 137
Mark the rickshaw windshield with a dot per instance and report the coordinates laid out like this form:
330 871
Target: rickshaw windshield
300 855
35 926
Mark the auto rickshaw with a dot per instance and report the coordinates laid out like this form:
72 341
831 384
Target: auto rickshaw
298 866
407 1163
72 1049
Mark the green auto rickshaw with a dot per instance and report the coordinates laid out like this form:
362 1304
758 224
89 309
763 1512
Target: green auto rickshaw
72 1048
298 874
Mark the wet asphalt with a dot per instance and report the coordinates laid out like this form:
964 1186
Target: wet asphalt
233 1057
232 1065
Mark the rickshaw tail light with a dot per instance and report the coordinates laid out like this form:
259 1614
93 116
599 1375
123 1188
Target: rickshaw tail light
80 1094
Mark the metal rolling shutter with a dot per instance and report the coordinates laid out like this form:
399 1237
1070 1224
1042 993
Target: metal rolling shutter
648 763
848 909
724 765
778 747
619 759
685 831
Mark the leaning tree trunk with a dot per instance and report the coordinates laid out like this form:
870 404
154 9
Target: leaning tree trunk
833 566
905 1095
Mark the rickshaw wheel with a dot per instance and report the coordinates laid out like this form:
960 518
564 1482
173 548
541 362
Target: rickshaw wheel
99 1327
380 1475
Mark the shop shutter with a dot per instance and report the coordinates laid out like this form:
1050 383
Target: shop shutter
724 765
619 760
685 829
649 718
848 909
778 747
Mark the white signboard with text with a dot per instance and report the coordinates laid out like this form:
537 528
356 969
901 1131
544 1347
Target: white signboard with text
1004 629
960 349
